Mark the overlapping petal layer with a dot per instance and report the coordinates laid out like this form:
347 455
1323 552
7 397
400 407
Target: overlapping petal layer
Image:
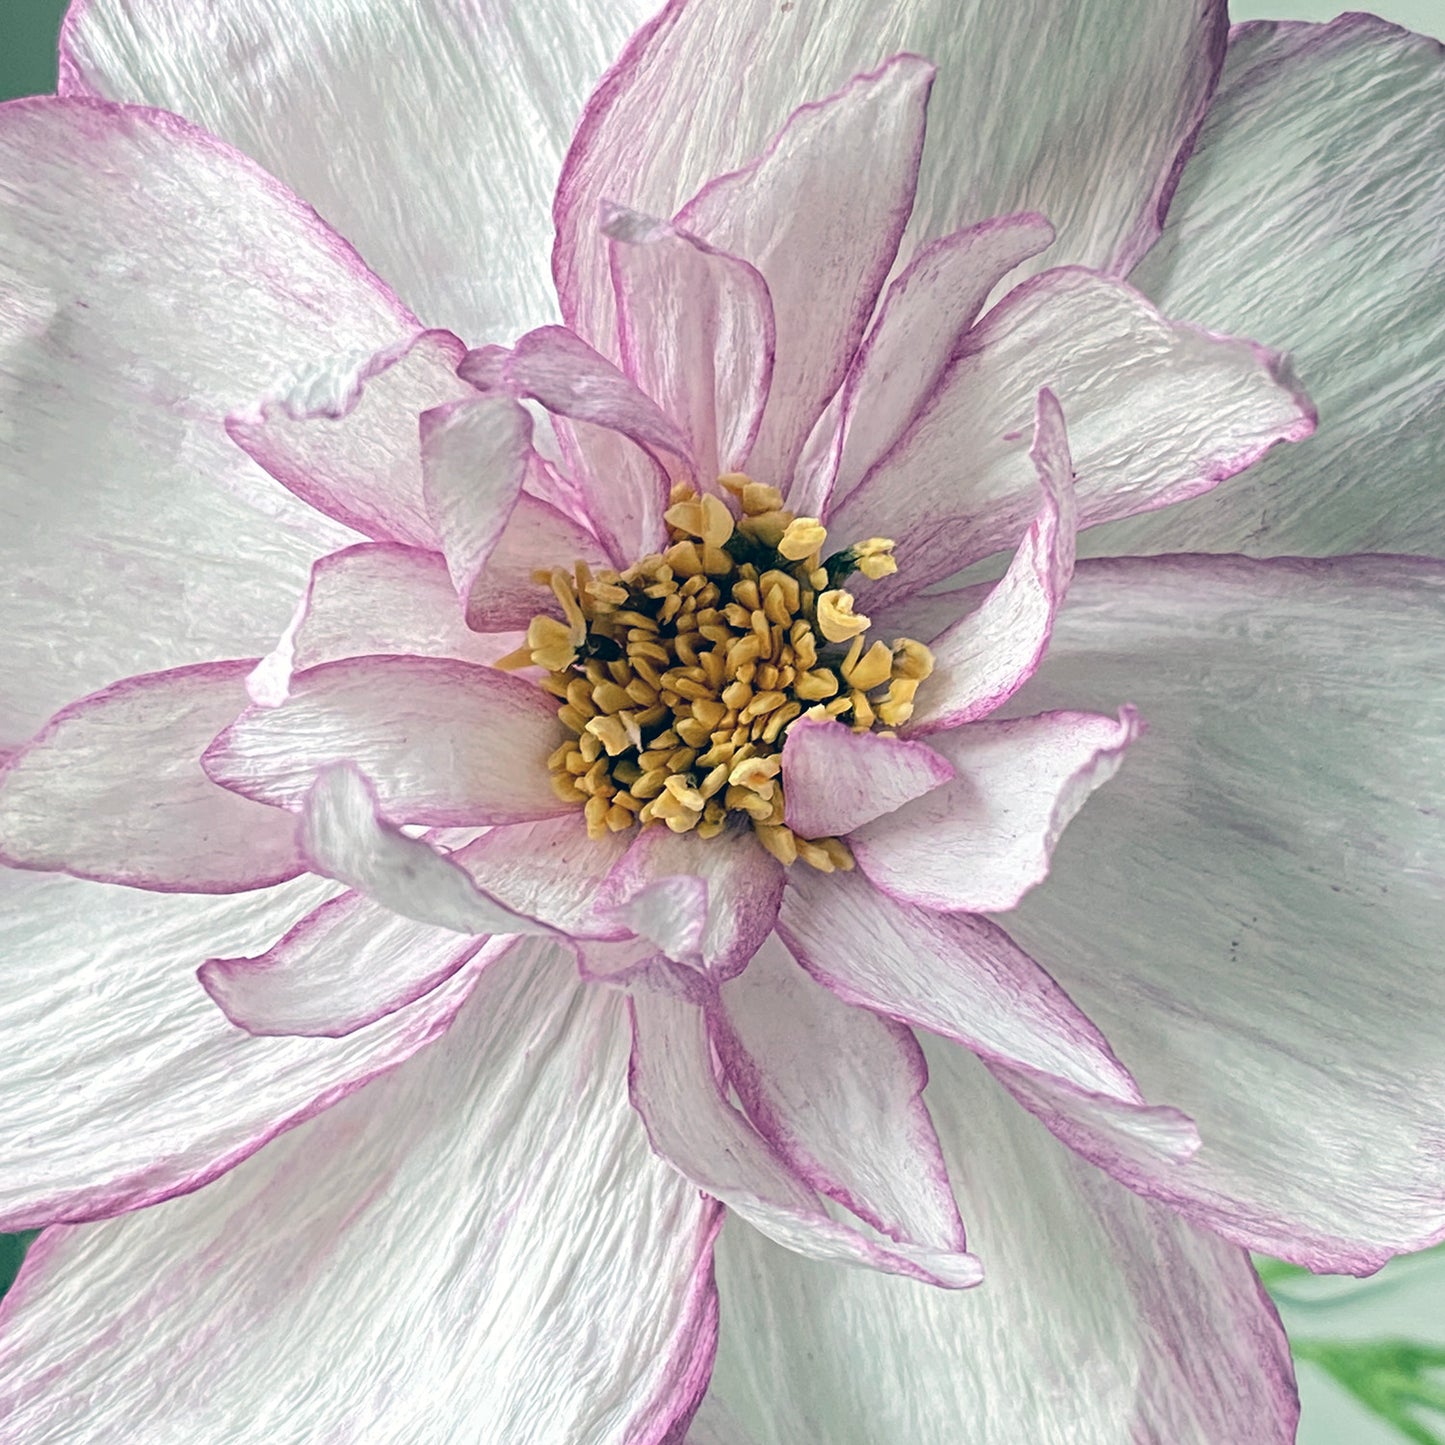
507 1159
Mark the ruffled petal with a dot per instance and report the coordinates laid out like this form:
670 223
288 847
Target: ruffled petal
447 743
111 789
1103 1319
692 1126
984 658
836 780
1082 121
837 1091
696 332
1252 910
980 842
344 437
820 214
132 325
507 1153
1311 218
375 114
1156 412
160 1092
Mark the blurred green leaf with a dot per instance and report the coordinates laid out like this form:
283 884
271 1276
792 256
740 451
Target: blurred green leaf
1400 1380
12 1253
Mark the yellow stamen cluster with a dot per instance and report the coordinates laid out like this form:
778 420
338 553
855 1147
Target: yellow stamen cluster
680 676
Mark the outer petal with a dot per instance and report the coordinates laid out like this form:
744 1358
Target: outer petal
696 332
1311 218
264 1304
979 843
984 658
161 1093
1156 412
838 1092
820 215
344 438
135 528
374 114
1252 911
1103 1320
836 780
112 789
448 743
692 1125
702 87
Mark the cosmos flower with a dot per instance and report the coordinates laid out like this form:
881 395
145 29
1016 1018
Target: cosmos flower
616 820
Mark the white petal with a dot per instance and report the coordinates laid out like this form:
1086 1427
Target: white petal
478 1247
1102 1319
1310 217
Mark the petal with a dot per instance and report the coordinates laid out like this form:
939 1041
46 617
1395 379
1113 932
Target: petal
344 438
837 1091
1252 910
448 743
693 1127
374 597
1156 412
979 843
743 889
1102 1319
984 658
1311 218
696 331
132 326
293 987
507 1152
836 780
376 116
820 214
933 301
161 1093
1082 122
111 789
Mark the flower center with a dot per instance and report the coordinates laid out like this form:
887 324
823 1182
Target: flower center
680 676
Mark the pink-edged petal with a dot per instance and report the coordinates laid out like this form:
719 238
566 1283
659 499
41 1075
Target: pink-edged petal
506 1155
447 743
743 889
376 116
1156 412
667 915
161 1093
111 789
1102 1318
1311 218
1082 122
836 780
673 1086
134 527
696 331
820 215
984 658
933 301
838 1093
375 597
343 437
980 842
293 988
1252 910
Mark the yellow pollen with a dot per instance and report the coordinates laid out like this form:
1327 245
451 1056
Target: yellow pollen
679 677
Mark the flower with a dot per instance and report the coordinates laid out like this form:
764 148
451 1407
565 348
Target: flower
781 371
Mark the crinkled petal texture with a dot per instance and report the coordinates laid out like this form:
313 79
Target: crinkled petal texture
478 1247
154 281
1252 910
701 89
1103 1320
1310 217
372 110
